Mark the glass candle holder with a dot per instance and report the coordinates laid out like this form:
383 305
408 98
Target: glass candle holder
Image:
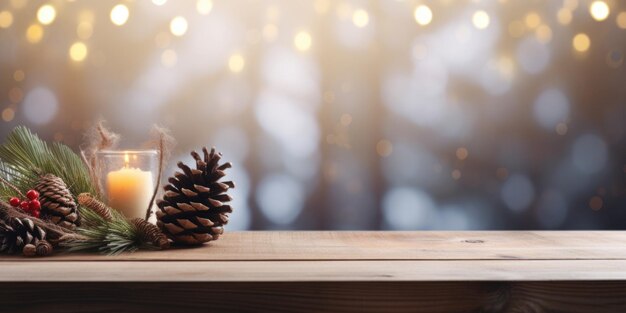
128 178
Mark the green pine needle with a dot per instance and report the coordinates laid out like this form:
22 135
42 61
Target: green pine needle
24 157
108 237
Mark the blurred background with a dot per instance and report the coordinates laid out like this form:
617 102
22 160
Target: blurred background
347 114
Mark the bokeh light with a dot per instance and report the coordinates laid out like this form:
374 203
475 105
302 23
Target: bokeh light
40 106
532 20
236 63
303 41
19 75
518 192
581 42
551 108
34 33
204 7
423 15
621 20
6 19
8 114
119 14
596 203
46 14
480 19
360 18
564 16
178 26
599 10
408 209
78 51
384 148
462 153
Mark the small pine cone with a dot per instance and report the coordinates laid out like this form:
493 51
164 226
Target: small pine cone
88 201
150 233
44 248
193 209
19 232
57 203
29 250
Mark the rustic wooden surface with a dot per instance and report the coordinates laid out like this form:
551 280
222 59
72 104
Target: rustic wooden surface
337 272
367 245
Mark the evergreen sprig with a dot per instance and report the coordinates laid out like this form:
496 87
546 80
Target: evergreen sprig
24 157
110 237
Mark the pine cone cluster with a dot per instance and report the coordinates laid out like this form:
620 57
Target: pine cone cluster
16 233
57 202
193 209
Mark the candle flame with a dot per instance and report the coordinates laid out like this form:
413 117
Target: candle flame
126 160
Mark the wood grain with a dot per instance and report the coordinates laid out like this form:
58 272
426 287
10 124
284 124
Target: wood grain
340 297
419 245
515 272
313 271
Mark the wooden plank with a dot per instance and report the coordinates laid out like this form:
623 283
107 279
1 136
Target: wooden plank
340 297
419 245
314 271
337 272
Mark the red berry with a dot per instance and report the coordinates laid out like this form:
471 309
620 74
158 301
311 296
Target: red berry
24 205
34 205
14 201
35 214
32 194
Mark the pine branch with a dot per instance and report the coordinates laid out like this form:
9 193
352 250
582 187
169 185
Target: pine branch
24 151
72 170
8 184
110 237
100 235
27 157
22 183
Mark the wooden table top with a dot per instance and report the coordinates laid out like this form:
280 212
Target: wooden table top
362 256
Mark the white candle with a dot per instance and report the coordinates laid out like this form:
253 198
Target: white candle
129 190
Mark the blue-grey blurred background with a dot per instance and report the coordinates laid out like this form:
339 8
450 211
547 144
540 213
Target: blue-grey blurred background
347 114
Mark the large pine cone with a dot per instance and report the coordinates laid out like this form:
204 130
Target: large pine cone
57 203
18 232
192 210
